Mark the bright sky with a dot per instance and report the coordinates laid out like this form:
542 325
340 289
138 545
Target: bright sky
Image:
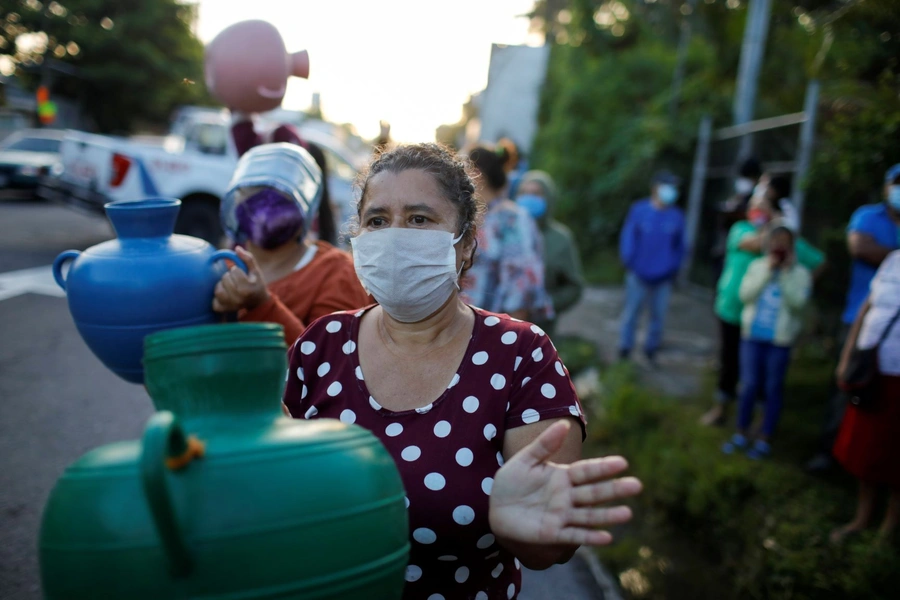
410 62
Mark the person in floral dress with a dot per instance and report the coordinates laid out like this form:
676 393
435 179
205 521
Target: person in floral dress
508 274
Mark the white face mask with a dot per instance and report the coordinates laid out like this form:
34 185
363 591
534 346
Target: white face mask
410 272
743 185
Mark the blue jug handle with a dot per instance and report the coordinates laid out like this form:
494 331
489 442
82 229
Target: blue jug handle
166 449
58 265
227 255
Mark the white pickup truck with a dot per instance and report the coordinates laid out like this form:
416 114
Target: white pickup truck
194 163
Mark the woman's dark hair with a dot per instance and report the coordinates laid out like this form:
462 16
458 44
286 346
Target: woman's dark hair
751 168
452 174
781 186
327 227
491 163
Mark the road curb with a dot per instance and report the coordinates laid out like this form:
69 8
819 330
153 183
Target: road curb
603 579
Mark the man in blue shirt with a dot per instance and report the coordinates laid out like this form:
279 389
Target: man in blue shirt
651 248
873 233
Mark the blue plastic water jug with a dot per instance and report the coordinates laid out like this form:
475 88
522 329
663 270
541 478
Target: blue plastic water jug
146 280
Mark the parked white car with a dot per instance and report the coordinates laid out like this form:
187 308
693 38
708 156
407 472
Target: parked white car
195 164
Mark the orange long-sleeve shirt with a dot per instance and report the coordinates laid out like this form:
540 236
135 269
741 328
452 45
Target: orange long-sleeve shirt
326 285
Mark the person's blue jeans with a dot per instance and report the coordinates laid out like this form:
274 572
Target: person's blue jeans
763 368
638 294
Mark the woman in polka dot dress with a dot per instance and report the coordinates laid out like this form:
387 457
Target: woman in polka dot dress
476 408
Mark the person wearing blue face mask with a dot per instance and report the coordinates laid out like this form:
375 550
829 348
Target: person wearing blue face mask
563 278
651 247
873 233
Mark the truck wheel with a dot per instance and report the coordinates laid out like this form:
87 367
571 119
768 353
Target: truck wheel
200 218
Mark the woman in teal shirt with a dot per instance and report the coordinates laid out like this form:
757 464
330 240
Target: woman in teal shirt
744 245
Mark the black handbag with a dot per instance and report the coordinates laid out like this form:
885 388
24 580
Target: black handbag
859 379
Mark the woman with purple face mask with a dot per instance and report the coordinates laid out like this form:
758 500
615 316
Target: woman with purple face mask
271 203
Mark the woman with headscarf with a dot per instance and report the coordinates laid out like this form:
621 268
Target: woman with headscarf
563 278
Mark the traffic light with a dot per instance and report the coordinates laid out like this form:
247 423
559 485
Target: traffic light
46 109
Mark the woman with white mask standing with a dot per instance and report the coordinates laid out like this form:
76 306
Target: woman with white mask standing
476 408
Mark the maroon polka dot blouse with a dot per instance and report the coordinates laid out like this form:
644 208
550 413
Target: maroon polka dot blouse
448 451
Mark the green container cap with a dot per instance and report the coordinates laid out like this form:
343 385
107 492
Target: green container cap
204 339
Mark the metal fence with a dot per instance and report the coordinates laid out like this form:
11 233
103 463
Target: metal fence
783 144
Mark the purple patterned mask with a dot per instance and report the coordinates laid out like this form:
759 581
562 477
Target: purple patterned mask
269 220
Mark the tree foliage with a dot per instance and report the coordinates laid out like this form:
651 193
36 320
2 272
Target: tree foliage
129 62
605 123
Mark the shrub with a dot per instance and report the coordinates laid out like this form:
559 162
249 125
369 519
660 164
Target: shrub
715 526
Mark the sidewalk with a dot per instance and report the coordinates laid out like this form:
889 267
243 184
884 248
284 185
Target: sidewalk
689 342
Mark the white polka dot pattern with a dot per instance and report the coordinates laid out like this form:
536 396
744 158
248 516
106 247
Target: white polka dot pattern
464 457
413 573
463 515
531 416
447 451
411 453
423 535
435 482
442 429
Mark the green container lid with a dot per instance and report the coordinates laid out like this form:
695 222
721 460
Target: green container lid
203 339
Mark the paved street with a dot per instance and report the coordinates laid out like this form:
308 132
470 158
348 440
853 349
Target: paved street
57 401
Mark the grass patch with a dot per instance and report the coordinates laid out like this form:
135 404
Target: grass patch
716 526
603 267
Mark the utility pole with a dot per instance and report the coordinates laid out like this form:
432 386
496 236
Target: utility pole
681 58
752 50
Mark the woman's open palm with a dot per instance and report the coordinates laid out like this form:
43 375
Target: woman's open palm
535 501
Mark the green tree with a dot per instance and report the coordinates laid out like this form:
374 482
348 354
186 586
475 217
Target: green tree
604 124
129 62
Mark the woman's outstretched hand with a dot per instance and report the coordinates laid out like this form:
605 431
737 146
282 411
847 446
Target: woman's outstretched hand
534 501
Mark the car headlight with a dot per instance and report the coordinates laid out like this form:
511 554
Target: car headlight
29 171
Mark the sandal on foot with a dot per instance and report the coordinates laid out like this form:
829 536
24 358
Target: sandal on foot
759 450
737 442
